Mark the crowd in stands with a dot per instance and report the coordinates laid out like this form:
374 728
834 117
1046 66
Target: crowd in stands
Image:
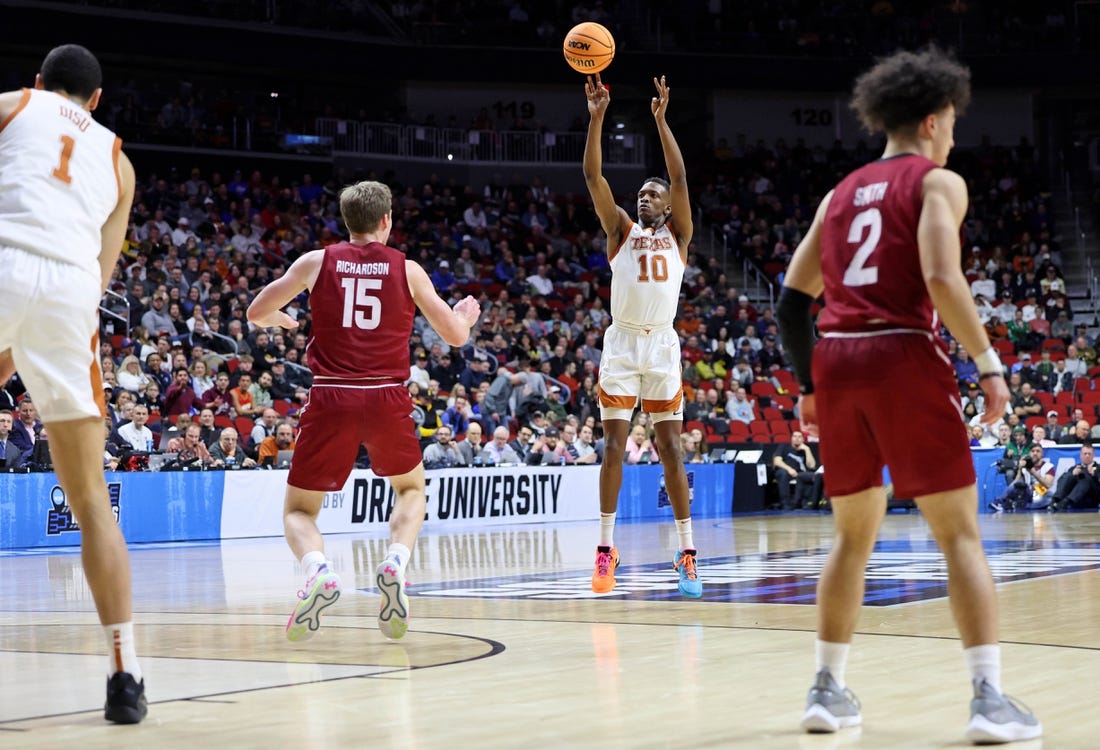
777 27
183 368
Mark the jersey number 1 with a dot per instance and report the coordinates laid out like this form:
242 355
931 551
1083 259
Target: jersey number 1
61 171
361 309
858 273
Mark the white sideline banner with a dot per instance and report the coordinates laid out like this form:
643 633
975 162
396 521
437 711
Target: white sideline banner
252 505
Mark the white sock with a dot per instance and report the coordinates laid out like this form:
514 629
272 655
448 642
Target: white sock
683 530
312 562
120 645
400 554
607 529
833 656
984 663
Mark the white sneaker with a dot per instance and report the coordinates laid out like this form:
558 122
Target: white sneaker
320 593
393 617
995 718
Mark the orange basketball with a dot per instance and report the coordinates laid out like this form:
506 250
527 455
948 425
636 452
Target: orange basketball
588 47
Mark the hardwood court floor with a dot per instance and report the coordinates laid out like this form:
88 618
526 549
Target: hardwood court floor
510 649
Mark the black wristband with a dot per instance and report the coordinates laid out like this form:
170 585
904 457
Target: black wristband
796 328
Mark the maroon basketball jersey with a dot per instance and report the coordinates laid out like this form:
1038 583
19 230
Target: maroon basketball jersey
362 314
869 255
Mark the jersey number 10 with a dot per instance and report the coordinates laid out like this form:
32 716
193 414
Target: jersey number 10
652 264
361 308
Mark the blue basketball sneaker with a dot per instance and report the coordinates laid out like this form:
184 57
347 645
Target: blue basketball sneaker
690 585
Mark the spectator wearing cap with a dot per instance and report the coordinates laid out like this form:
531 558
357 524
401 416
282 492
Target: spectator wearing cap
555 409
743 305
553 449
770 357
1054 431
157 320
1027 371
418 371
442 278
689 324
973 395
476 372
182 233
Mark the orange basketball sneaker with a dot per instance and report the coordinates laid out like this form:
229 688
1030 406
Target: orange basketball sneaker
603 578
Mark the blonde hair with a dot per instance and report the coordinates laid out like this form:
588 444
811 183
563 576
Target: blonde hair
363 205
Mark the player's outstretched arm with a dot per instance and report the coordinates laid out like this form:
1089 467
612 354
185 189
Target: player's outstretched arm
453 326
674 163
266 310
613 219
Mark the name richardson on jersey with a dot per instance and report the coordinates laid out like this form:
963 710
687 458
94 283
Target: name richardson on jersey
868 194
76 116
363 269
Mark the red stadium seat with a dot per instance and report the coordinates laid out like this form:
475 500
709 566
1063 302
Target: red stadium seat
222 421
739 431
1036 421
1004 347
1053 345
282 406
244 427
786 403
772 413
759 427
763 388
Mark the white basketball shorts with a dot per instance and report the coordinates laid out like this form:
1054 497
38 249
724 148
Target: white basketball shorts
640 366
49 318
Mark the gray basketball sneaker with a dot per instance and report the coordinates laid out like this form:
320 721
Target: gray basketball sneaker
830 707
995 718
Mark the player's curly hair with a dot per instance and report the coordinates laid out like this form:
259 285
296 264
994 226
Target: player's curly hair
904 88
72 69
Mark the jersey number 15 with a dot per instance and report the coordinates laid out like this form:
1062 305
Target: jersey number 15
361 308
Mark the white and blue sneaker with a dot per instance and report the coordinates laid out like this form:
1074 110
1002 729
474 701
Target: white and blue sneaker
320 593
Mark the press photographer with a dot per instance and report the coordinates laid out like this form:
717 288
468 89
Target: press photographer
1080 486
1033 479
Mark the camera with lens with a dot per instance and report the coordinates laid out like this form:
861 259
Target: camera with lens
1028 463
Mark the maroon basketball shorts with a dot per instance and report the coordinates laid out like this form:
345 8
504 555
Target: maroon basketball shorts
890 399
338 419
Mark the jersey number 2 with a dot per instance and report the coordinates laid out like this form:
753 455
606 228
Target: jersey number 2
858 272
361 309
61 171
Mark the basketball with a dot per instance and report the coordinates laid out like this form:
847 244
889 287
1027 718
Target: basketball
588 47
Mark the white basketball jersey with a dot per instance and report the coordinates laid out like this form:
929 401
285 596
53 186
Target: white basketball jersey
59 179
646 274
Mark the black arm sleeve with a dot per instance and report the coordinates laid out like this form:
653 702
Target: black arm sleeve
796 328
